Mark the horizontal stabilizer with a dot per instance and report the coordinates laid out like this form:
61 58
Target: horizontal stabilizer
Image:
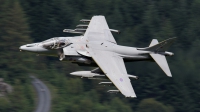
162 62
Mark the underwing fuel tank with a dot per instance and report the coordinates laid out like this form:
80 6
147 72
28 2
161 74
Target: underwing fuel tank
88 74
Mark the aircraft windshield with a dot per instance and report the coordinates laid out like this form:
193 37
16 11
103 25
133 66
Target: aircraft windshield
55 43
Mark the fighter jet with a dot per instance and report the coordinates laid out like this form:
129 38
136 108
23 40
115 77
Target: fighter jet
96 46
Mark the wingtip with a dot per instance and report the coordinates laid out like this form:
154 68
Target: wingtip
167 72
169 75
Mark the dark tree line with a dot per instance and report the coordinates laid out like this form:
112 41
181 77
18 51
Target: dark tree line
140 21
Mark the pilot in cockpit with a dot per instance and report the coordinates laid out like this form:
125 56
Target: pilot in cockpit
55 43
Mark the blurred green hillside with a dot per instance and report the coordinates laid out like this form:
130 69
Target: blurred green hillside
140 21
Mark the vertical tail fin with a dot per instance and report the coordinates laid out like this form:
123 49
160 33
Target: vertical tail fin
153 42
159 47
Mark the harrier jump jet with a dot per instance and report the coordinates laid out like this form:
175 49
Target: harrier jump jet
97 47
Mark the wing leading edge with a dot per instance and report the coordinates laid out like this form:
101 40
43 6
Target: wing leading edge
98 30
114 68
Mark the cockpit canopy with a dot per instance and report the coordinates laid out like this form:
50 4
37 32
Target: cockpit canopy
56 43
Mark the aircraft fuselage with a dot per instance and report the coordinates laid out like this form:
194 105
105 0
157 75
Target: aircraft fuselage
76 51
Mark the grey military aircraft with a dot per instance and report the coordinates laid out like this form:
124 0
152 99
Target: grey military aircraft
97 47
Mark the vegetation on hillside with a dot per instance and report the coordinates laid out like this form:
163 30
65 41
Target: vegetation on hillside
139 21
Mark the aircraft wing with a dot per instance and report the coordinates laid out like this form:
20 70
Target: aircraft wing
113 67
98 30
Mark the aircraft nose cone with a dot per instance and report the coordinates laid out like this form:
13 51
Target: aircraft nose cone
22 48
28 48
34 47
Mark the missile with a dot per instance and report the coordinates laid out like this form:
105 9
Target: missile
133 76
85 20
72 31
113 30
104 83
98 78
113 91
80 29
82 26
